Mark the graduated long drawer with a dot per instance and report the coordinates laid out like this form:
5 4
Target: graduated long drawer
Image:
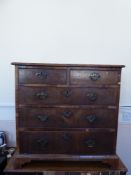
67 142
67 117
72 96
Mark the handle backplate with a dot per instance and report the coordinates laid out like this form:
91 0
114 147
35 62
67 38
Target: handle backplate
42 95
94 76
91 118
43 118
90 143
41 75
92 96
43 142
67 114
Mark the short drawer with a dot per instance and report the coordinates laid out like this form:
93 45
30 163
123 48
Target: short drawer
62 117
67 142
42 76
94 77
63 96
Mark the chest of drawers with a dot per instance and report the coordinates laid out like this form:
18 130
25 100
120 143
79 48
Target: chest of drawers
67 111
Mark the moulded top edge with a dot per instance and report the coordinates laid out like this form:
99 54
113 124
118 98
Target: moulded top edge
63 65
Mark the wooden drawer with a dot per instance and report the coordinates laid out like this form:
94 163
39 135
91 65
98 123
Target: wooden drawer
94 77
62 117
47 142
42 76
71 96
97 142
66 142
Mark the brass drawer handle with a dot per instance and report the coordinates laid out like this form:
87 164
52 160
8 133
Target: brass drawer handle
43 142
43 118
66 137
91 118
90 143
42 95
92 96
67 114
41 75
94 76
67 93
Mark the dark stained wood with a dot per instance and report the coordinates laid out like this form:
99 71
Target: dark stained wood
66 142
87 77
66 117
66 168
45 76
70 96
17 102
67 65
66 110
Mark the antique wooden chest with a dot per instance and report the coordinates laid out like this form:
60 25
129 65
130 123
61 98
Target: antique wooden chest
66 112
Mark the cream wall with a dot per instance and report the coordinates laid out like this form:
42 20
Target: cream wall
65 31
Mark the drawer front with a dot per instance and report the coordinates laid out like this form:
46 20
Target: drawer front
42 76
92 77
47 142
62 96
67 117
97 142
62 142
